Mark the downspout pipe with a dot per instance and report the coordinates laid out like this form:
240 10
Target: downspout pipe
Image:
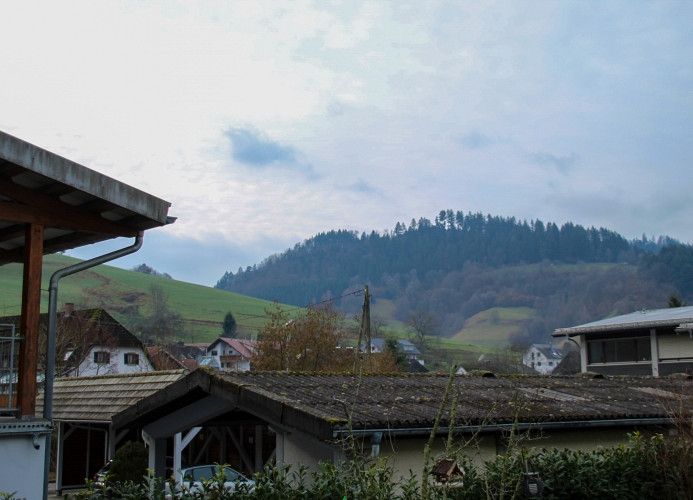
52 328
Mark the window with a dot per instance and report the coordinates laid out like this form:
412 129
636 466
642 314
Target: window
131 358
102 357
538 363
619 350
214 353
550 363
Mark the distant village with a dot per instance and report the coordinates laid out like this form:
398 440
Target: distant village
74 395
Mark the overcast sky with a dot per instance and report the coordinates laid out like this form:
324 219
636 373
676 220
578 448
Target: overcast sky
264 123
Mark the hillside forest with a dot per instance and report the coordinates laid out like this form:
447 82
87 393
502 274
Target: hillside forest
459 265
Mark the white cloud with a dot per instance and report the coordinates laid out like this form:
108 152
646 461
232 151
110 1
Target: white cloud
366 94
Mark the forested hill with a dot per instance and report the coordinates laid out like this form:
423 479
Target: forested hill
443 266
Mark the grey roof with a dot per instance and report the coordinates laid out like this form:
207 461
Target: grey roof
548 350
404 345
670 317
325 405
76 205
97 399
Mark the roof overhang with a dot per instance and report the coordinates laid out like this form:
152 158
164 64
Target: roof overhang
622 327
75 205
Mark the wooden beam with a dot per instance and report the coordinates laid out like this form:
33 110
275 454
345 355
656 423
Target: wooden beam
53 245
29 323
63 215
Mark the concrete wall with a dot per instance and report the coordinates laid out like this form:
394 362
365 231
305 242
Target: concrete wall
297 448
405 455
21 466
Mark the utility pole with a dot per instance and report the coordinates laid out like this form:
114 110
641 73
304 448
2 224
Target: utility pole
365 328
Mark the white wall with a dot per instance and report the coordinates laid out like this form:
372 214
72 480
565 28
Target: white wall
298 448
545 367
674 346
21 466
223 349
116 364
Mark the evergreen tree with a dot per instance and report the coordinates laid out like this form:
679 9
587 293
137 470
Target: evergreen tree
229 327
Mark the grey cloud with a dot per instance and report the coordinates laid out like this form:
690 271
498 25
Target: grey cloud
561 163
362 186
476 140
252 148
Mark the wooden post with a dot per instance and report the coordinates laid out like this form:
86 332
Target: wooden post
29 323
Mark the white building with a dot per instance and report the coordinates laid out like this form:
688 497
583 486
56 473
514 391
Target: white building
543 358
231 354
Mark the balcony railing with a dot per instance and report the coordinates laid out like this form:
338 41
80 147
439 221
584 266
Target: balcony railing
9 356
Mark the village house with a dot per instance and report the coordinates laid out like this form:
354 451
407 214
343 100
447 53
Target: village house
542 358
404 346
247 419
231 354
92 342
648 342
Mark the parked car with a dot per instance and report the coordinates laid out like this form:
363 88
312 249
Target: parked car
194 477
101 474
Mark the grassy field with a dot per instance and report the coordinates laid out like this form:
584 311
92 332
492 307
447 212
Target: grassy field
119 291
494 326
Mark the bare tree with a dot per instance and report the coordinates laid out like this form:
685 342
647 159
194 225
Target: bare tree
423 325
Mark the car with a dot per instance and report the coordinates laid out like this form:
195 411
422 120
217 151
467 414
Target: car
100 476
194 477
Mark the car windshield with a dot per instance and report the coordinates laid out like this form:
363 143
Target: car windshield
232 475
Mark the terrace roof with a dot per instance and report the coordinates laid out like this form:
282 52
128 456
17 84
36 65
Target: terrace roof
76 205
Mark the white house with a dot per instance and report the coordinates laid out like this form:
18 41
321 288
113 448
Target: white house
103 345
231 354
404 346
543 358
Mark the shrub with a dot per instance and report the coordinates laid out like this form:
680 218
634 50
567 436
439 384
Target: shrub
130 463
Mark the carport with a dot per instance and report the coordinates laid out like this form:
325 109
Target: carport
200 419
83 408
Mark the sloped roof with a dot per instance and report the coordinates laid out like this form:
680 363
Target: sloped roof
97 399
669 317
244 347
162 359
323 404
548 350
76 205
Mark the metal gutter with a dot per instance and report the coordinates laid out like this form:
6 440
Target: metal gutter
521 426
52 330
578 330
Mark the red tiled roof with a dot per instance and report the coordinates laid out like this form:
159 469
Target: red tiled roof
244 347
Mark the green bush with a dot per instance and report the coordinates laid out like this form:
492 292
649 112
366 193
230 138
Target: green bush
130 463
642 469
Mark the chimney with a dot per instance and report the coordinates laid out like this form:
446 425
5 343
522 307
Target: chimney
68 309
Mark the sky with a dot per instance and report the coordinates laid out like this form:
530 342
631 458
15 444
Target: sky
264 123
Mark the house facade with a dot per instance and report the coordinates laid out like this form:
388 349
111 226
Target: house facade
542 358
404 346
230 354
649 342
